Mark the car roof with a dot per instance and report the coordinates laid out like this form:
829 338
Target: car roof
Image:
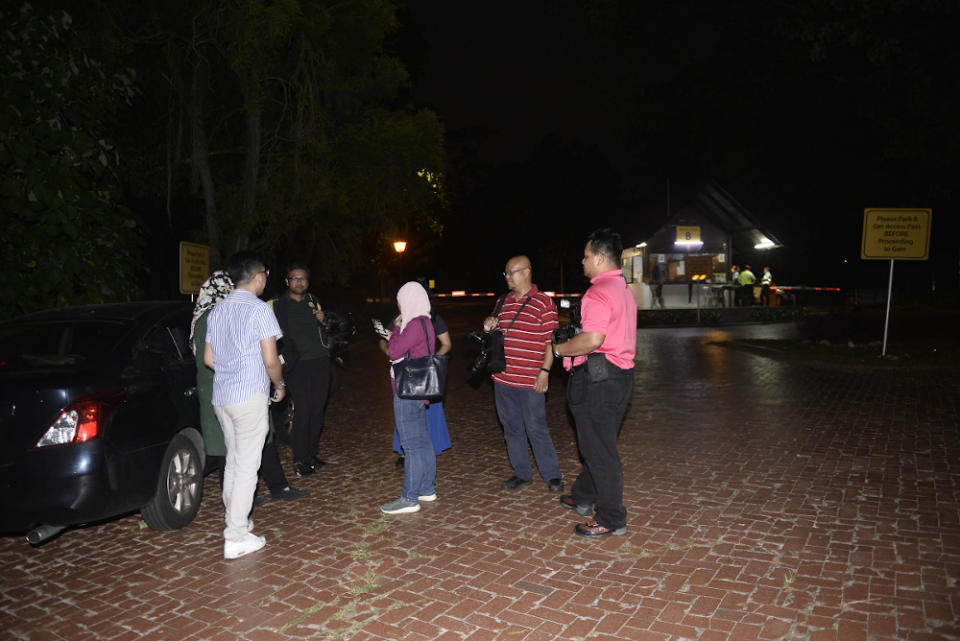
108 311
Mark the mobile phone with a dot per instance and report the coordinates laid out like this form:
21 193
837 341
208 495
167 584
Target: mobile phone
378 327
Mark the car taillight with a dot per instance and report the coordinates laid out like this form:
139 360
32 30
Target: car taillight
82 420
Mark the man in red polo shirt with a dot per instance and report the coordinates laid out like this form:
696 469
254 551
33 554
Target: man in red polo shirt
600 361
527 319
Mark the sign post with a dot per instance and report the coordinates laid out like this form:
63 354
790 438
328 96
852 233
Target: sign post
895 234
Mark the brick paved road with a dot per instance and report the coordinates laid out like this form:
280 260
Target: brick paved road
767 500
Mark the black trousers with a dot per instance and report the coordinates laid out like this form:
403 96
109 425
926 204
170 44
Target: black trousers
308 384
598 410
271 470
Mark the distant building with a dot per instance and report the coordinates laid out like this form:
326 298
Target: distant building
691 254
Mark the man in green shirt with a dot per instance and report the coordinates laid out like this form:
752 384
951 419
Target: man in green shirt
307 366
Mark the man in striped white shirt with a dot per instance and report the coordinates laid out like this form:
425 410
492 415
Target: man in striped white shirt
527 319
241 349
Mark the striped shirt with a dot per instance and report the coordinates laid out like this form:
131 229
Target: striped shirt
526 342
234 330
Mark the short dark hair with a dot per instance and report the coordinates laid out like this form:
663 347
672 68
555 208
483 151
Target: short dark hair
243 266
297 265
607 242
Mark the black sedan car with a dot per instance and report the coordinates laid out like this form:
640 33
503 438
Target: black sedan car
98 417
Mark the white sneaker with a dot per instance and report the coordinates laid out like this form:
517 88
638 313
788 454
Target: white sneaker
246 545
428 497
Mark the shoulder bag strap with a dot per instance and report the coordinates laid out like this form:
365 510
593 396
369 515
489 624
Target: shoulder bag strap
518 312
496 312
423 325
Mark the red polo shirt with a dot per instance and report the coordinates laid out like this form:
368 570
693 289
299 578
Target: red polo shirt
609 308
526 341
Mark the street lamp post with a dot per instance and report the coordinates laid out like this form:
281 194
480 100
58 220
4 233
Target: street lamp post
399 246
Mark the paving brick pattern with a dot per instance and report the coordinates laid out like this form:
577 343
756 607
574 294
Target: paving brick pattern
767 499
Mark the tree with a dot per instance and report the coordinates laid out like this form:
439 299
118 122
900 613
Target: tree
67 237
300 142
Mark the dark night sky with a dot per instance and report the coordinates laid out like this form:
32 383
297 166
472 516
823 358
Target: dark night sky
518 89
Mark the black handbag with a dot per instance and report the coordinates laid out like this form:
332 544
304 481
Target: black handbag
424 378
493 342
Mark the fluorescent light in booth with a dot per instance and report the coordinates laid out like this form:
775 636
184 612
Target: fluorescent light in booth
766 243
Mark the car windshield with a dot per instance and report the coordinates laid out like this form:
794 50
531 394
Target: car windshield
66 342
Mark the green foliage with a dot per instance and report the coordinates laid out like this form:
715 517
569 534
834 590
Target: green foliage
345 168
66 237
311 148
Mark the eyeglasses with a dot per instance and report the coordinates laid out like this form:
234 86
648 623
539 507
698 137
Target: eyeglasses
297 279
512 272
265 272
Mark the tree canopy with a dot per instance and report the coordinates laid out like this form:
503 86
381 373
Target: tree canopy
67 236
280 126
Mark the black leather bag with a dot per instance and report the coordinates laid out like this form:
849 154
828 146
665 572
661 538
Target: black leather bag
496 357
423 378
598 367
493 342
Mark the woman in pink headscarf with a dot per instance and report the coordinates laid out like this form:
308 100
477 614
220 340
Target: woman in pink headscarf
412 337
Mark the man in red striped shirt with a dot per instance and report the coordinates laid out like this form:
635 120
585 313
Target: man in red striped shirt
527 319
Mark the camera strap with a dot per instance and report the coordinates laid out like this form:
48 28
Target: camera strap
518 311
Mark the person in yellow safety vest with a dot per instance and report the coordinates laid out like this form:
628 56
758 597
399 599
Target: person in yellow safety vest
735 279
747 279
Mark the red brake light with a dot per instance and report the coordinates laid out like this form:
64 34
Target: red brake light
89 424
83 420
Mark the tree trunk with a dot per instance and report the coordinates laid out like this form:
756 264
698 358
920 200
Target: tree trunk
200 159
253 108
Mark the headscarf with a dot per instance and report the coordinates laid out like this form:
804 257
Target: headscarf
213 290
413 302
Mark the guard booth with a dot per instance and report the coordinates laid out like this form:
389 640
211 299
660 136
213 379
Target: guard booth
686 263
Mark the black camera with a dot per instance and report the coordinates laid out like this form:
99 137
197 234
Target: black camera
479 365
569 330
336 330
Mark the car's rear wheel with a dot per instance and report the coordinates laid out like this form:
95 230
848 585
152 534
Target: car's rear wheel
179 488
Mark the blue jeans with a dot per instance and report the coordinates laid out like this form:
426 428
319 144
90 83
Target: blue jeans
523 413
420 466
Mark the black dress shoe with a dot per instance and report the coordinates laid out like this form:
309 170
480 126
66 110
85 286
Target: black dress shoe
555 486
583 510
513 483
290 493
303 470
318 464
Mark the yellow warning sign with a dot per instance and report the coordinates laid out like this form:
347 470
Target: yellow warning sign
194 267
896 234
